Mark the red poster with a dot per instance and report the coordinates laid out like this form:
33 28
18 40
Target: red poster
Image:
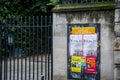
90 64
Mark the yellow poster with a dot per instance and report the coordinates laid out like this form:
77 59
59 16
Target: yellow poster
76 64
83 30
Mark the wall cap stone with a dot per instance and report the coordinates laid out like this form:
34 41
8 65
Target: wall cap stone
83 7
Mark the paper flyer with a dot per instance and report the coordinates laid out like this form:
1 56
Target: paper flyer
76 64
75 45
91 64
90 45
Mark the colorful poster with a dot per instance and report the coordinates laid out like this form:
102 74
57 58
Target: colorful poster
83 61
76 64
83 30
75 45
90 45
91 64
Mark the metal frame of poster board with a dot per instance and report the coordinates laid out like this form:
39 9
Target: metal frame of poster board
83 75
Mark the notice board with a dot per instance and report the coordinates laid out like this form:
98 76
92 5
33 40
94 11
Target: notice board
83 51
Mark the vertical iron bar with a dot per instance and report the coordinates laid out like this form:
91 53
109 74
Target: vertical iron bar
45 47
10 45
33 48
18 47
51 49
1 52
37 49
2 55
21 49
13 26
41 24
48 45
6 50
29 50
25 47
49 38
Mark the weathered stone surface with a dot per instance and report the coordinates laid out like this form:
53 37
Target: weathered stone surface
117 27
60 77
117 15
117 3
116 57
117 44
117 74
59 47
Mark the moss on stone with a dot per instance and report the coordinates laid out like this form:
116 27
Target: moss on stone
83 7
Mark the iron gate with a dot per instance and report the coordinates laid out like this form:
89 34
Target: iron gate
26 48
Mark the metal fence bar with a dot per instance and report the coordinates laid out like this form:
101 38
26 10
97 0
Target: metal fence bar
25 50
18 47
10 45
45 48
0 54
42 77
6 50
48 51
33 47
13 26
21 48
51 49
29 52
37 49
4 57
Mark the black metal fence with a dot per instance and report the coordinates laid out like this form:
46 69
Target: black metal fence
26 48
84 1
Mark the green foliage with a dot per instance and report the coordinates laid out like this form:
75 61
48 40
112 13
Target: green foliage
53 2
12 8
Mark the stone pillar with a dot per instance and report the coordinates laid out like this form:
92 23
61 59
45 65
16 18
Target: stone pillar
60 20
117 43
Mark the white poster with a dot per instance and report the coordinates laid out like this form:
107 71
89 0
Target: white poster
90 45
75 45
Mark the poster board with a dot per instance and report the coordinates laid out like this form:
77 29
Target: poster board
83 50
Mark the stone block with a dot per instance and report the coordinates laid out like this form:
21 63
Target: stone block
117 74
117 44
117 3
117 27
117 34
117 15
116 57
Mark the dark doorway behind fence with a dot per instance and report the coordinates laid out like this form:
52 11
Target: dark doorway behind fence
26 48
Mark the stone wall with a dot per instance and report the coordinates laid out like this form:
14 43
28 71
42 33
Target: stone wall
60 21
117 43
